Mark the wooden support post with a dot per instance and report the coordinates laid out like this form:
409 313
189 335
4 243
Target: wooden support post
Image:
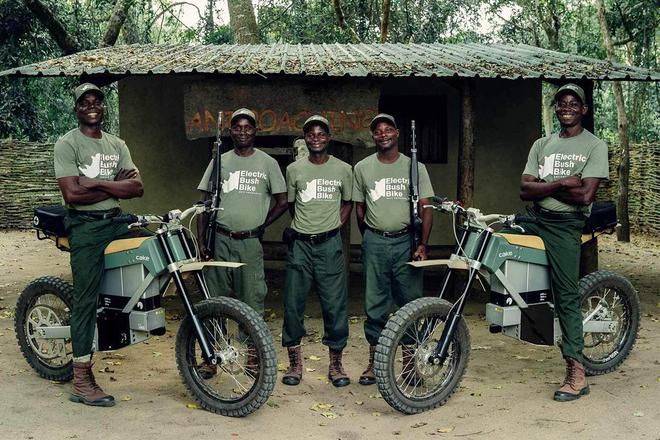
465 181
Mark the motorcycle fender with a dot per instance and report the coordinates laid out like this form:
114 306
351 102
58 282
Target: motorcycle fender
199 265
452 264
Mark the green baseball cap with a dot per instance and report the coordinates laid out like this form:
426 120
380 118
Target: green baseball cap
382 117
244 113
316 120
83 88
573 89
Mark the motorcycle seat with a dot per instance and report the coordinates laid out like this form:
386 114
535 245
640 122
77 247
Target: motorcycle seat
124 244
534 241
530 241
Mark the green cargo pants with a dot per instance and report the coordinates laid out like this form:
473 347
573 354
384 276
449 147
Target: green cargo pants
562 245
388 279
323 265
88 238
247 282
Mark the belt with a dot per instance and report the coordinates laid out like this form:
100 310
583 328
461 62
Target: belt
388 234
558 215
240 235
317 238
96 215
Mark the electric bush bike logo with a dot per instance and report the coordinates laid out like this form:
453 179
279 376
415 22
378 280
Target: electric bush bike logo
224 350
431 336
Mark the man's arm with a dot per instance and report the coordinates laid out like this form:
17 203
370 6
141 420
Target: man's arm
579 195
533 189
345 212
76 194
427 224
124 187
360 212
277 210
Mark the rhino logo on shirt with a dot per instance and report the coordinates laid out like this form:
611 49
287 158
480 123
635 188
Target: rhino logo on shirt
378 191
548 167
94 169
309 192
231 183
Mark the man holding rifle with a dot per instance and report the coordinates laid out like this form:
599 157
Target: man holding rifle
248 179
382 194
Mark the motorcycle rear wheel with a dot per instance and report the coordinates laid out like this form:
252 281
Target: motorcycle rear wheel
45 302
609 296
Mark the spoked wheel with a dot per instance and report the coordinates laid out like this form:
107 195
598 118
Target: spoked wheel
406 380
608 296
246 371
45 302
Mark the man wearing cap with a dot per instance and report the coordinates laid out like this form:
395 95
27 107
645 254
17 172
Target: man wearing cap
561 177
249 179
381 191
319 195
94 170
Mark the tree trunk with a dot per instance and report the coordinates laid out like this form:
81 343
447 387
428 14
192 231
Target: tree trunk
64 40
385 24
115 23
243 22
209 25
465 190
550 22
341 20
622 233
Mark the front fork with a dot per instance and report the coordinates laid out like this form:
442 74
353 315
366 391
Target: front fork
175 273
440 354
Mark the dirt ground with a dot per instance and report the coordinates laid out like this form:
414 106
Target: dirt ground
506 392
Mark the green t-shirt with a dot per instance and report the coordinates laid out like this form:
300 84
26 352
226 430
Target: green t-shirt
385 189
318 191
80 155
552 158
247 186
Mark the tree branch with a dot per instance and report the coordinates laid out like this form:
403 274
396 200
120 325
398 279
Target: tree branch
56 29
115 23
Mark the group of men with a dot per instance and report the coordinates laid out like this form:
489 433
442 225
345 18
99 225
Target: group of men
319 191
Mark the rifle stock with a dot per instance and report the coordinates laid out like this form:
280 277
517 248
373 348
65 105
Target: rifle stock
415 219
215 189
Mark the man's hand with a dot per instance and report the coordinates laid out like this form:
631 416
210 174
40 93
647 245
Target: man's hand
204 253
420 253
571 182
86 182
124 174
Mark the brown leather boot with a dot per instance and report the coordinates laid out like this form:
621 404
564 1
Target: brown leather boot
206 370
336 372
368 377
409 371
85 388
575 385
293 374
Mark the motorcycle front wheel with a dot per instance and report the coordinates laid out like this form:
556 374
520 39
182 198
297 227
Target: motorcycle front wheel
244 377
406 379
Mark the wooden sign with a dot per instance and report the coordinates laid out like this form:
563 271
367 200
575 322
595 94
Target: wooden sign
282 106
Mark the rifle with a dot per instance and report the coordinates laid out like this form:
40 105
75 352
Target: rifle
415 219
215 188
